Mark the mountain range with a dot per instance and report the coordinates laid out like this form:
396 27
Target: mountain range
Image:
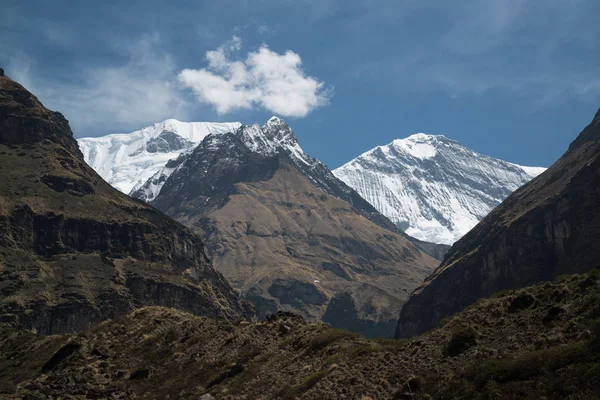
288 234
104 296
430 187
283 228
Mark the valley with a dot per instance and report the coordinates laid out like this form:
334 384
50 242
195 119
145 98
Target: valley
240 267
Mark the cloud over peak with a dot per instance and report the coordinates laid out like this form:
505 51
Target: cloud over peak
138 91
266 79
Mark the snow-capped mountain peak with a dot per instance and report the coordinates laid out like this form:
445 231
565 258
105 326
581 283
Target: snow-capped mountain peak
432 187
271 139
255 139
275 135
275 121
279 131
128 160
419 145
139 163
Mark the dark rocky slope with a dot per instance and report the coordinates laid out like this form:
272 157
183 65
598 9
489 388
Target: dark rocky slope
74 251
539 342
548 227
435 250
286 243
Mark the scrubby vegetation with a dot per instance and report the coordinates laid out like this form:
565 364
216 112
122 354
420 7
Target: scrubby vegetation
328 337
542 341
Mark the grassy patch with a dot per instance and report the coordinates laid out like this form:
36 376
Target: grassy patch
394 345
529 365
328 337
362 350
293 392
286 342
332 360
311 381
24 357
248 352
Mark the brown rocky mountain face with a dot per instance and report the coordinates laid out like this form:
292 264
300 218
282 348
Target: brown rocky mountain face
74 251
549 227
534 343
286 244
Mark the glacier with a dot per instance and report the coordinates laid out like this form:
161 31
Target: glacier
433 188
128 160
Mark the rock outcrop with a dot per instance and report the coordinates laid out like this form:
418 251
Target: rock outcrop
73 250
548 227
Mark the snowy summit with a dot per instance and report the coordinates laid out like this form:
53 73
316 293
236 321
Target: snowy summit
432 187
139 163
128 160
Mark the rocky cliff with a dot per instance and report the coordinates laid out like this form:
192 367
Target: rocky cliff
549 227
73 250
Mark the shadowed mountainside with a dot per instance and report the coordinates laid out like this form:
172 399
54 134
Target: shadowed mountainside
548 227
73 250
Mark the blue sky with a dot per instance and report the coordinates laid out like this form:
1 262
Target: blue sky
514 79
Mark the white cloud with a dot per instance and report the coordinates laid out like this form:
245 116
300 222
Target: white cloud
273 81
264 29
138 92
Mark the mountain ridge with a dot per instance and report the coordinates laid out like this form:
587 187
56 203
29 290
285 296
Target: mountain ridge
282 238
432 187
143 174
128 160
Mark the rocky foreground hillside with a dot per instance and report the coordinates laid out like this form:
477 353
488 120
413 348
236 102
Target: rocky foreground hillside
539 342
548 227
73 250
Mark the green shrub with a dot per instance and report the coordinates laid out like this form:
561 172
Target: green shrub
311 381
563 278
444 321
595 335
286 342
